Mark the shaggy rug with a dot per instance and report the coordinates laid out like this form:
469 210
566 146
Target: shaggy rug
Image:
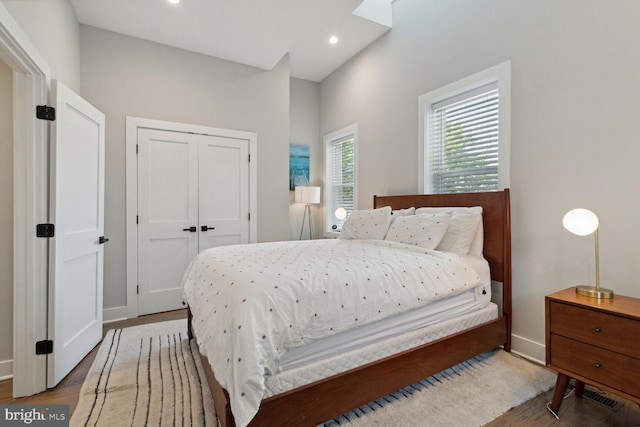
151 375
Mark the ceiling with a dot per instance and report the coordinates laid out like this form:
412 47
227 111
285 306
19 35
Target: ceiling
252 32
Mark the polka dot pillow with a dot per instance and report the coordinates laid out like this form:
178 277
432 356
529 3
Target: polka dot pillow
367 224
425 231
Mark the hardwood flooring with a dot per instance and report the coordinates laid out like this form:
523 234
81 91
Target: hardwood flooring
574 411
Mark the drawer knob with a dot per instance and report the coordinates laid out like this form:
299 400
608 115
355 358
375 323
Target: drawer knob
597 365
598 329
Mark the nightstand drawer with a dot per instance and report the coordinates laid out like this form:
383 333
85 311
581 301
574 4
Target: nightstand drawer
600 365
601 329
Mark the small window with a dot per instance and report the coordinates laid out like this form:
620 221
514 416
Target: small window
340 176
466 134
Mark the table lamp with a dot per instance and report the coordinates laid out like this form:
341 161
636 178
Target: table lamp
583 222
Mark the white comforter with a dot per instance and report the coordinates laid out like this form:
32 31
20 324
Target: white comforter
251 303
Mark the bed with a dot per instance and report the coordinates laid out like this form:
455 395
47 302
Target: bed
321 396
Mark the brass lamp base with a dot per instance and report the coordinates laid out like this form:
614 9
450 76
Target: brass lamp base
594 292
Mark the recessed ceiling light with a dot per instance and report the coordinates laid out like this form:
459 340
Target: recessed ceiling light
333 39
174 1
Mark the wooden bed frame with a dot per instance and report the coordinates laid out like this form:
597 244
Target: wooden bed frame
331 397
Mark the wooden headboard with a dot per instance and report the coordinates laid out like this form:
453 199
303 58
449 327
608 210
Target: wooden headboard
496 218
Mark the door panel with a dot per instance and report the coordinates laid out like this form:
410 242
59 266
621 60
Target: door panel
165 275
223 191
77 210
82 309
167 208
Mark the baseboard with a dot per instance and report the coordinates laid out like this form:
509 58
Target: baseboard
114 314
528 349
6 369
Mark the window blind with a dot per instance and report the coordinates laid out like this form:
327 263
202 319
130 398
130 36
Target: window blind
464 142
341 179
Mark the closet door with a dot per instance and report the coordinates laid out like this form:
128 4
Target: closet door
223 191
168 216
193 194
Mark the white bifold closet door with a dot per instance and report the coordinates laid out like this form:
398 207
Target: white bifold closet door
193 194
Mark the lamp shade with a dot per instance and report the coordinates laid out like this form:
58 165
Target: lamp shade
341 213
581 222
307 194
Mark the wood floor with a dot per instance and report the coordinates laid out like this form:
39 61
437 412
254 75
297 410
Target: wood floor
574 411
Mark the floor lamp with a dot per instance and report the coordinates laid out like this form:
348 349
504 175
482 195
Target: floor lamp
307 195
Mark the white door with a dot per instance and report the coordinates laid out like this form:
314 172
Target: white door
167 215
77 211
193 194
223 191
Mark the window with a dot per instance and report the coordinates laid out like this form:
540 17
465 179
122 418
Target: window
465 130
340 154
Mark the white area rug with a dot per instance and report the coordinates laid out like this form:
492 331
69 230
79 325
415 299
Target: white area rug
150 375
146 375
471 393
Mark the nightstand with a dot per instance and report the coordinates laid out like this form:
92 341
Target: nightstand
595 341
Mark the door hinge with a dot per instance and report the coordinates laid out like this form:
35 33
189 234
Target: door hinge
44 347
137 289
44 112
45 230
137 219
136 148
249 158
249 216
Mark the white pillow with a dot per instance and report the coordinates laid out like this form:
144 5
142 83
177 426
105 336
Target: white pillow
460 234
397 213
425 231
461 230
367 224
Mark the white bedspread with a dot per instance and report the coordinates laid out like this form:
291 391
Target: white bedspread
251 303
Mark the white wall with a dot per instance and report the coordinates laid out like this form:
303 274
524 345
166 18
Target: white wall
575 102
6 219
53 28
304 128
124 76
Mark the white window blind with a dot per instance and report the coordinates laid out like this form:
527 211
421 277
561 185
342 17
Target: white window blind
341 176
464 143
340 179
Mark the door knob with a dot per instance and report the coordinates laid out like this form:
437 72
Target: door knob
205 228
191 229
102 240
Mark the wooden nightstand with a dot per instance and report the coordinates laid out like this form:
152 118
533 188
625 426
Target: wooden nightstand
595 341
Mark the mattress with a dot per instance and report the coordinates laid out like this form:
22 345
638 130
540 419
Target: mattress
352 339
386 328
326 367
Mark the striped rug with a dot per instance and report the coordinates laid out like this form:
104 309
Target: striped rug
150 375
145 375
